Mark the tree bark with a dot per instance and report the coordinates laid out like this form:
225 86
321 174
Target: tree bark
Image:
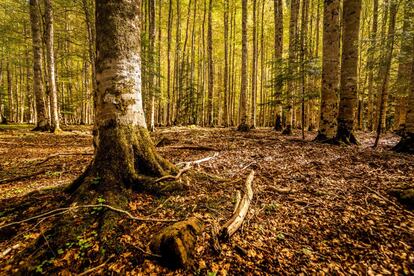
42 120
278 21
349 68
330 71
243 126
254 68
55 127
210 115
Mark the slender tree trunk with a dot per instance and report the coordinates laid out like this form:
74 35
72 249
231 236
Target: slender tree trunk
42 120
293 32
169 34
226 62
330 71
406 143
385 72
254 68
370 64
10 97
243 126
152 80
278 21
349 70
404 66
55 127
210 110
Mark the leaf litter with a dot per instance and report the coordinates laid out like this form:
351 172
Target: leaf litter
316 208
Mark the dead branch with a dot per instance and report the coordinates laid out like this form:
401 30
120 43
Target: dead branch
203 148
236 220
196 162
17 178
61 154
75 207
172 177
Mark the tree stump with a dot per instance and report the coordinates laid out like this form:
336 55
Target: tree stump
176 243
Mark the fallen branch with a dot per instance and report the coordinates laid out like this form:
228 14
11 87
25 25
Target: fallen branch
17 178
240 212
96 268
204 148
75 207
60 154
172 177
196 162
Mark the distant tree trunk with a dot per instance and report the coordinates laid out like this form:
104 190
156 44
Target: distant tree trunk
404 66
293 32
243 92
226 62
152 80
10 96
55 127
91 41
385 72
406 143
254 68
169 96
42 120
349 71
210 115
177 65
262 67
330 71
278 21
370 65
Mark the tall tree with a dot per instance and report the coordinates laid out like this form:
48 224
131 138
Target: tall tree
254 68
54 114
42 120
385 72
226 63
210 110
152 80
293 41
349 71
330 71
406 143
278 21
243 126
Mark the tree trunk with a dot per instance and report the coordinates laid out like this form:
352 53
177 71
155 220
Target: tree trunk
330 71
293 32
254 68
349 71
210 115
169 35
370 65
42 120
55 127
243 92
152 80
385 72
406 143
226 63
278 21
124 154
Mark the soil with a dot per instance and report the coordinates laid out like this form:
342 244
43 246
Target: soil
316 207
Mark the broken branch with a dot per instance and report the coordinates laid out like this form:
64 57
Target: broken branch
240 212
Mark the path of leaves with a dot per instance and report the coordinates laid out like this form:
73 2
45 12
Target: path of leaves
314 207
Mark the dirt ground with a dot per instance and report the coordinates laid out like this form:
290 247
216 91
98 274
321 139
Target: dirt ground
316 208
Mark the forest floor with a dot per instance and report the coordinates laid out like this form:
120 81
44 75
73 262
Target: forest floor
316 208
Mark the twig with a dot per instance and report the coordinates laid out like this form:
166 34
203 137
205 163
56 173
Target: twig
4 181
172 177
61 154
204 148
199 161
72 208
97 267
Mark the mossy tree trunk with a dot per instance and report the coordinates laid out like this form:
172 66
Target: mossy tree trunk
349 72
125 156
330 71
42 120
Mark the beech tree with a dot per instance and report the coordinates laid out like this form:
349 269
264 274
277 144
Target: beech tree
243 126
41 119
349 71
125 156
330 71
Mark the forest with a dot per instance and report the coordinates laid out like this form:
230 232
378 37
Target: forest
202 137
